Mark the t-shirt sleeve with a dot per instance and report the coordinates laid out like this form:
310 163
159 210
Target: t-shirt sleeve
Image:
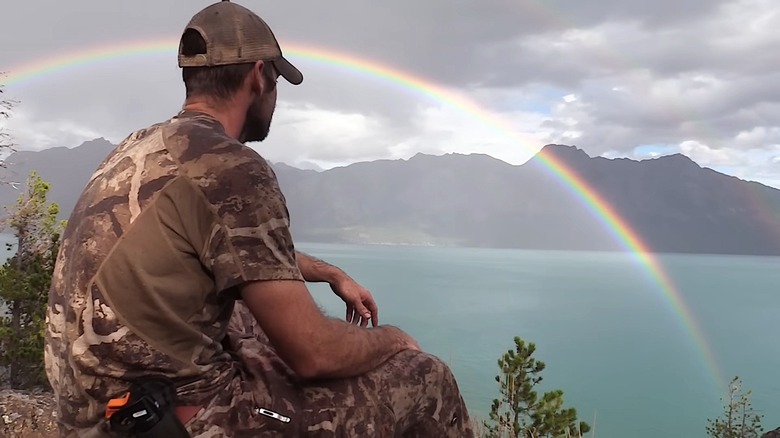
251 239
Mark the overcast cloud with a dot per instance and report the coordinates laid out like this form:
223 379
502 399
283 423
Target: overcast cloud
616 78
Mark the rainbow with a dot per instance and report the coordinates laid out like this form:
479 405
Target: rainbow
45 66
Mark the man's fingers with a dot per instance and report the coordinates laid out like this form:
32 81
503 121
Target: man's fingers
374 312
365 315
355 316
350 314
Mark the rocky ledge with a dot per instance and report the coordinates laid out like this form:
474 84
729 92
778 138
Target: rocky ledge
27 415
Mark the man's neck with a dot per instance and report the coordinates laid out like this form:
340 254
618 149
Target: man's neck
227 114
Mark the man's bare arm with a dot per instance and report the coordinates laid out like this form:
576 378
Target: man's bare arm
316 270
313 345
361 307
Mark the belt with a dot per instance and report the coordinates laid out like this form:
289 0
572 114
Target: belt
186 413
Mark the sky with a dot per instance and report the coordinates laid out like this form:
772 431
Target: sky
625 78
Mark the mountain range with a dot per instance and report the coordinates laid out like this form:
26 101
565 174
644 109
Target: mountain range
671 203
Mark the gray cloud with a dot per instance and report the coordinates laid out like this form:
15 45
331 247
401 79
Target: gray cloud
669 72
440 39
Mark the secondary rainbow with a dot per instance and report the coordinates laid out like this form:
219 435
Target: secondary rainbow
56 64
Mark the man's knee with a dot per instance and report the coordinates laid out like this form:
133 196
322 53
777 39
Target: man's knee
430 372
439 406
434 369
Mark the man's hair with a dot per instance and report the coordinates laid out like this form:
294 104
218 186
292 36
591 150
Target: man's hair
219 82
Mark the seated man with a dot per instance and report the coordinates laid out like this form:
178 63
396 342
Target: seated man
178 262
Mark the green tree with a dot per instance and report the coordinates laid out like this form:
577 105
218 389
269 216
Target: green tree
738 419
520 412
25 279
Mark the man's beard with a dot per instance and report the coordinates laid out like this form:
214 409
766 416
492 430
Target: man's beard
256 127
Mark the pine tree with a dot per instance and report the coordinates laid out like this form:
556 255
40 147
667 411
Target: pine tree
25 279
738 420
520 412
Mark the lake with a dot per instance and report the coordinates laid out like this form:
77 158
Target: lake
612 340
610 337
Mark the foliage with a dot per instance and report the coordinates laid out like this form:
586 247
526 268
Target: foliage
521 412
738 420
25 279
6 145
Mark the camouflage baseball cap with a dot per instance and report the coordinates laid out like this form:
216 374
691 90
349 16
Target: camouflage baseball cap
234 35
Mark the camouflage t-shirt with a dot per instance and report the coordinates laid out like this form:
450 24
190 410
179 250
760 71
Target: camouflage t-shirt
175 218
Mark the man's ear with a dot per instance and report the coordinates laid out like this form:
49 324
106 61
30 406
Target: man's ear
257 77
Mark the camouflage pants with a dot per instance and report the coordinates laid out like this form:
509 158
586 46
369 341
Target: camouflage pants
411 395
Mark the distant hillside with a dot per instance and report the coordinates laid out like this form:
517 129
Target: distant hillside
477 200
68 170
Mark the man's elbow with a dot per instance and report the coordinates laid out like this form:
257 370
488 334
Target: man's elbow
309 367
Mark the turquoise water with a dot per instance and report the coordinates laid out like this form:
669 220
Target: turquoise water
612 341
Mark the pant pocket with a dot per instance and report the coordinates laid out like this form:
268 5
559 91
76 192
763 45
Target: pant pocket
279 414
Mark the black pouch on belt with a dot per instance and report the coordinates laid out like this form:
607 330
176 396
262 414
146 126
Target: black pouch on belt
146 411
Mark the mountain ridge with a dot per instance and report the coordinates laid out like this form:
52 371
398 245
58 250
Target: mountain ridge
475 199
100 142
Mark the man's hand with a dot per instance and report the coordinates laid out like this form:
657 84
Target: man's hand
360 304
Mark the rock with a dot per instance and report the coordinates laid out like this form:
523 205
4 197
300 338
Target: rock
772 434
27 415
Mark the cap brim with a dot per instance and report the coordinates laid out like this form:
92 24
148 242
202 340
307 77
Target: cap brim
288 71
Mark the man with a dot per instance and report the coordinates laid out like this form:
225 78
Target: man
178 262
